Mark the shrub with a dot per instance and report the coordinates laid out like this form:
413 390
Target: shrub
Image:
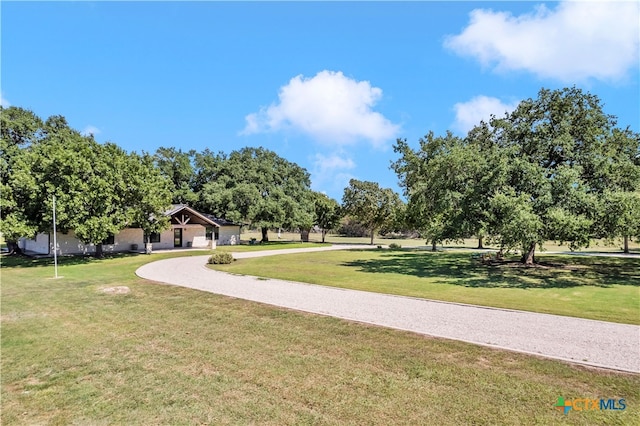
221 258
394 246
351 228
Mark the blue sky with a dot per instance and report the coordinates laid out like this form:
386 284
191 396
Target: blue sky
328 85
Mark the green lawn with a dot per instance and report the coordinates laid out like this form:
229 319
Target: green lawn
601 288
73 354
470 243
271 245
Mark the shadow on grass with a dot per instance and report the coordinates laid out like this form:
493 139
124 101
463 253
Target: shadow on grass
461 269
21 261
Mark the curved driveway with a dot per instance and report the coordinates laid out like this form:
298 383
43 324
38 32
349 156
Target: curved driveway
595 343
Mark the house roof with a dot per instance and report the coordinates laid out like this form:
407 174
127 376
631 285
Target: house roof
222 222
177 208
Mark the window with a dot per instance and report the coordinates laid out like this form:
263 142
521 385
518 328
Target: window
209 233
109 240
154 237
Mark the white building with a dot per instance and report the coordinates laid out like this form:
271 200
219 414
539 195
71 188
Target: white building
189 228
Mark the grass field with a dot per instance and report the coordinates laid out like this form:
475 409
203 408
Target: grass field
596 245
75 354
601 288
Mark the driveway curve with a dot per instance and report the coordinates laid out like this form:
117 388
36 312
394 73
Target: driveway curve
594 343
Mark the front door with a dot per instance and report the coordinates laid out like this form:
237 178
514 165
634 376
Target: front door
177 237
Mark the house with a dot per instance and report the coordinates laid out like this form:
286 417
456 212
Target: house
189 228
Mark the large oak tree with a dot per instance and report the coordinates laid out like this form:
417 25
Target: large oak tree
556 168
257 186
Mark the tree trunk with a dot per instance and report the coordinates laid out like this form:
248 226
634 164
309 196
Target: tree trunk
372 237
434 245
13 248
480 246
626 244
265 236
324 232
304 235
529 258
99 253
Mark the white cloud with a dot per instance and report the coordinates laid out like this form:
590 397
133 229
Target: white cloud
331 172
90 130
331 108
574 42
4 102
470 113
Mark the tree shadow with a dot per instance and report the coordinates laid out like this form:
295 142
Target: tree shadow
22 261
464 270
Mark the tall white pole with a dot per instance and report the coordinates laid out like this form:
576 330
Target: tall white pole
55 239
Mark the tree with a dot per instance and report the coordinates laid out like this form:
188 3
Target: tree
20 128
149 195
543 172
620 216
327 213
256 186
618 177
554 145
99 188
439 181
370 205
177 167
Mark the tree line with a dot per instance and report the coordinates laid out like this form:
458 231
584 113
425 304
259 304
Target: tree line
556 168
101 189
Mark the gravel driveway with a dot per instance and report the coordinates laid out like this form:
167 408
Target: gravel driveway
595 343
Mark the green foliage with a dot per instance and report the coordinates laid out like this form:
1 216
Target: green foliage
350 227
327 212
19 128
546 171
395 246
177 167
437 181
99 188
221 258
256 186
371 205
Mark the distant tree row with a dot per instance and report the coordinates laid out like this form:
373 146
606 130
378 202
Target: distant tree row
556 168
101 189
257 187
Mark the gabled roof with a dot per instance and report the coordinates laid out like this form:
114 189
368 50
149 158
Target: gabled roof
222 222
177 208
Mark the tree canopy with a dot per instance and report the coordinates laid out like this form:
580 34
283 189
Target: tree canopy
370 205
100 189
550 170
327 213
256 186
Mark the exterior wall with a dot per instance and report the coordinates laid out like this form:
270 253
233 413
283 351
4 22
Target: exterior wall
194 234
166 240
40 244
70 244
125 239
229 235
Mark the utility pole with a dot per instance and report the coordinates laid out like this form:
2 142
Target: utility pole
55 239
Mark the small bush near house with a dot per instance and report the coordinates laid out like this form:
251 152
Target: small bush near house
221 258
